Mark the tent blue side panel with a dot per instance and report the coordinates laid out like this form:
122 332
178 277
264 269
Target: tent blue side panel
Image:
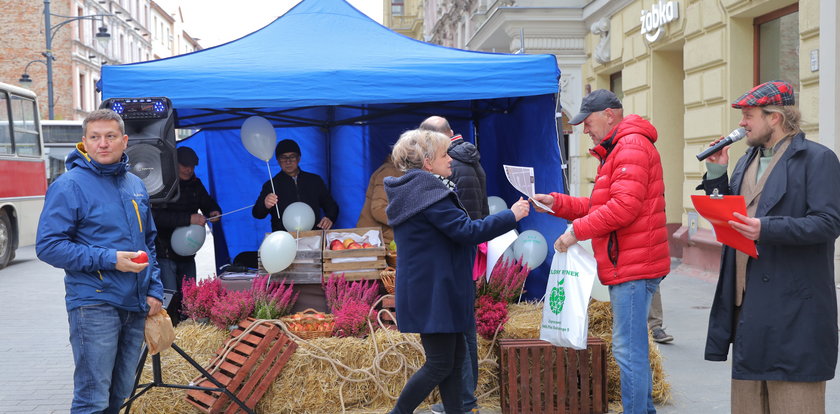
522 132
349 149
525 136
236 178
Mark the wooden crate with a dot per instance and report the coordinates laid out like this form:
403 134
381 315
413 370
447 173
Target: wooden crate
307 267
538 377
247 371
354 270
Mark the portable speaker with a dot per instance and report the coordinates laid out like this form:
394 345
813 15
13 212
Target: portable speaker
152 156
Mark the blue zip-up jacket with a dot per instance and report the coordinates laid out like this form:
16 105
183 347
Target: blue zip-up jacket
91 212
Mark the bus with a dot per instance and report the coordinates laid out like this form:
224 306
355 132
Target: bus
60 138
23 172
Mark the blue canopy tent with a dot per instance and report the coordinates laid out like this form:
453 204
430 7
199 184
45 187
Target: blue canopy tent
345 87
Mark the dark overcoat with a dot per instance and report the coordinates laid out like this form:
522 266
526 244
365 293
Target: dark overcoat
435 243
786 329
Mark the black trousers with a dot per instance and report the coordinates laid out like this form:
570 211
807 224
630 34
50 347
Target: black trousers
444 359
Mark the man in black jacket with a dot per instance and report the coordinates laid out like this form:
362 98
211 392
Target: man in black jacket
183 212
294 185
471 187
467 173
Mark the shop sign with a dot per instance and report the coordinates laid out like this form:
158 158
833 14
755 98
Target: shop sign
658 16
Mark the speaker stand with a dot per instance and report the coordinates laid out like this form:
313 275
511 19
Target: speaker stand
157 379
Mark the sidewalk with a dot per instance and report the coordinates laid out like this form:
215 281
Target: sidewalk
36 368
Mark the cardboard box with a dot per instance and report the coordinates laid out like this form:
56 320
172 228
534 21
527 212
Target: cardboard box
356 264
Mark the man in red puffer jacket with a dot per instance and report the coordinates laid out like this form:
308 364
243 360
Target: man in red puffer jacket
625 218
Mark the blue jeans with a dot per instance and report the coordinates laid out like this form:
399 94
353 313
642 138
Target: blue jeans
630 304
444 359
106 345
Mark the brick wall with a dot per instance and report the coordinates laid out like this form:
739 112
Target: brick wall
22 40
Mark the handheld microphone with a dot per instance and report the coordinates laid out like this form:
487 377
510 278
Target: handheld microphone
733 136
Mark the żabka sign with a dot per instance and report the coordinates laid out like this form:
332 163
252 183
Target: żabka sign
659 15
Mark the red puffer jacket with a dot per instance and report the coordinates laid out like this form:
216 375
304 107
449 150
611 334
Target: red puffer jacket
625 215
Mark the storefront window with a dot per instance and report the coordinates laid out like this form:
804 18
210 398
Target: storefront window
777 46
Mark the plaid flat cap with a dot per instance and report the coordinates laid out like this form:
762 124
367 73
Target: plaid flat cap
775 92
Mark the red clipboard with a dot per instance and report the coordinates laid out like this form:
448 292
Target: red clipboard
718 210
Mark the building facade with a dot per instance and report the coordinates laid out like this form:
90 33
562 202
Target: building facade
404 17
677 63
78 55
168 35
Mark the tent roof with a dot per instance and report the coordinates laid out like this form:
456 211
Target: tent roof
325 52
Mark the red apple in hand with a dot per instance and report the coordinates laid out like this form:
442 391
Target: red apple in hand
337 245
141 258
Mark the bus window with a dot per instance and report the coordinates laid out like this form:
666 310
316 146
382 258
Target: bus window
23 174
5 127
26 127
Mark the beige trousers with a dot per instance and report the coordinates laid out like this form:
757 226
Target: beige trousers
655 312
777 397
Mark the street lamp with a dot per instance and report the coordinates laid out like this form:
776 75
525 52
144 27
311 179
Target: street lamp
25 80
102 36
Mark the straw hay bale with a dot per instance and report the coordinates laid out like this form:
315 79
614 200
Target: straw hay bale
366 375
200 342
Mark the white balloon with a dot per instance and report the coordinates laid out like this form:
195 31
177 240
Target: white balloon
496 204
600 292
531 247
277 251
298 216
188 239
259 137
508 254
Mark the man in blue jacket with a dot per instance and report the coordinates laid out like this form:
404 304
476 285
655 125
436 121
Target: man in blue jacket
96 219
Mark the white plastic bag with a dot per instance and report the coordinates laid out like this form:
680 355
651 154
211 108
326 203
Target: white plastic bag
565 320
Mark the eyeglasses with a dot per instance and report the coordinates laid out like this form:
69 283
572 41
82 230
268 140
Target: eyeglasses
109 137
287 158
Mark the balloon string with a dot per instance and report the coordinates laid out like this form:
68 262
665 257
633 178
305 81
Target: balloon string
271 180
229 212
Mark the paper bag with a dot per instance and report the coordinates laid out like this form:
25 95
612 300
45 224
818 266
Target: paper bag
565 320
159 332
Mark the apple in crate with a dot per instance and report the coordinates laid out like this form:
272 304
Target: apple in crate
366 245
337 245
354 245
347 242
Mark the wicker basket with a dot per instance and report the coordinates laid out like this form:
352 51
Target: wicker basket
391 258
389 279
304 324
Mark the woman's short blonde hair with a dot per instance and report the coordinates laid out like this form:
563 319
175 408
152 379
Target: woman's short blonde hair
415 146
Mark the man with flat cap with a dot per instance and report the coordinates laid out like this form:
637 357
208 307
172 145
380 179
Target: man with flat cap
625 218
778 311
292 185
182 212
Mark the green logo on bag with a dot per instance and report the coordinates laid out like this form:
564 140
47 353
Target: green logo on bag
557 297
